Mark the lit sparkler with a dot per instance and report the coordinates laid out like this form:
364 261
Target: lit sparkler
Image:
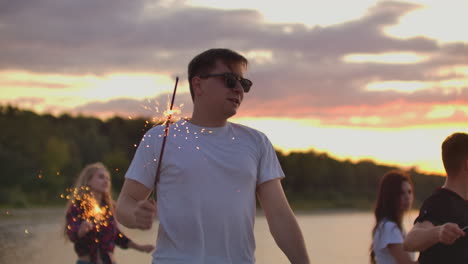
91 209
168 113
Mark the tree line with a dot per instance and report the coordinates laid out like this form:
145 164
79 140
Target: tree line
41 155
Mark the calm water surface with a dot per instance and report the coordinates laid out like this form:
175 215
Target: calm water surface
35 236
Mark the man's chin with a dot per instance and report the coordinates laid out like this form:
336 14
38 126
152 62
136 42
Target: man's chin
231 114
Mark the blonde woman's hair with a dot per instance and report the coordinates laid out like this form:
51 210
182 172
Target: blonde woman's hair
83 181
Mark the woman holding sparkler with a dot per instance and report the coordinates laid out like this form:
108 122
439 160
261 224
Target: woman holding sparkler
90 221
394 199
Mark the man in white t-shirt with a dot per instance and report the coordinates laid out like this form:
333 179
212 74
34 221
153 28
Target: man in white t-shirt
211 174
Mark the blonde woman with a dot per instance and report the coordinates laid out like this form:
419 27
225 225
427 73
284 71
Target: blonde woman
90 221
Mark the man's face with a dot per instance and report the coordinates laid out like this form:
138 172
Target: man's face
216 96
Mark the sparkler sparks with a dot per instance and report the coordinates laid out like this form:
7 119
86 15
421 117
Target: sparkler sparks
170 114
92 211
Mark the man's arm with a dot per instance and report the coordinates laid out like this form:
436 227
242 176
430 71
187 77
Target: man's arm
401 256
425 235
282 222
133 209
141 247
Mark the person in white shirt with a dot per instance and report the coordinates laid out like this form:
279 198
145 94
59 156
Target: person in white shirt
395 197
211 174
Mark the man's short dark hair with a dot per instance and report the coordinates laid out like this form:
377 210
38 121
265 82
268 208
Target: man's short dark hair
454 152
204 62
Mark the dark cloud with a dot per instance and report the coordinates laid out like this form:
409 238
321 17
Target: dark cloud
108 35
306 76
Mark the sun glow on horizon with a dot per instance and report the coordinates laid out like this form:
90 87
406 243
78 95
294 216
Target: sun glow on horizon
36 90
417 146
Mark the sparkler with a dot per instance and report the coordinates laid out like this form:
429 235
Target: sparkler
168 113
92 211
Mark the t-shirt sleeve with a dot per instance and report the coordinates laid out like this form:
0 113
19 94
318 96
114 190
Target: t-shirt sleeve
430 211
269 167
389 233
144 164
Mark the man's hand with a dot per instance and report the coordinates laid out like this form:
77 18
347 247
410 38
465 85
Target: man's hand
145 248
145 212
134 210
449 233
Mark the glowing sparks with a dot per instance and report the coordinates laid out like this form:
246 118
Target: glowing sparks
97 210
91 209
169 113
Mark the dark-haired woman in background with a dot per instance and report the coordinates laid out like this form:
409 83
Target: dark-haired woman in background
394 199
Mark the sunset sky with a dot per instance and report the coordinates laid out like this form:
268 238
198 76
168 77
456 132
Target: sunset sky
380 80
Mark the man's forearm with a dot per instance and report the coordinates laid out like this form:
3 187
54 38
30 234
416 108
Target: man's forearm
420 239
290 240
125 211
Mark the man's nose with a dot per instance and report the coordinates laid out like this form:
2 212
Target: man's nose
238 88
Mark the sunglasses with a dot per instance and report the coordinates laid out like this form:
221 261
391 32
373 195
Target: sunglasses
230 80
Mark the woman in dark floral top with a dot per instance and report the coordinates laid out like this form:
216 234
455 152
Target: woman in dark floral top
90 221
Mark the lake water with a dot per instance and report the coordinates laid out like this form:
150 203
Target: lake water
35 236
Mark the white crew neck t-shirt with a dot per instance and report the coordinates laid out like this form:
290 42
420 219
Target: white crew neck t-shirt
207 190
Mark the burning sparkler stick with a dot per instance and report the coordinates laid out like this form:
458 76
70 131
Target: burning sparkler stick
166 132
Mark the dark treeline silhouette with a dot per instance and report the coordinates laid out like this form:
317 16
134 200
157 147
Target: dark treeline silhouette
40 155
330 183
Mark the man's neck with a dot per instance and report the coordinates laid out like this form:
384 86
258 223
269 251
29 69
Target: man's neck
457 184
207 120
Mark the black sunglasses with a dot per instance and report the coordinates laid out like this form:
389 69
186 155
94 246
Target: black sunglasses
230 80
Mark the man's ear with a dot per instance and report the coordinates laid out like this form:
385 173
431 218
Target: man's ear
465 164
196 86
